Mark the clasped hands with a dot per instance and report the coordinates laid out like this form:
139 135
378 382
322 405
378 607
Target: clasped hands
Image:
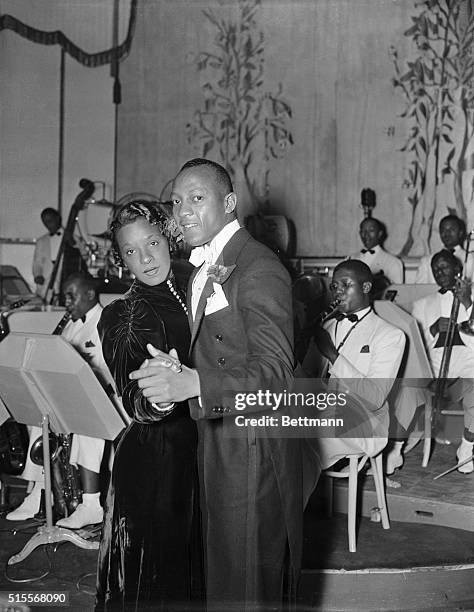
164 380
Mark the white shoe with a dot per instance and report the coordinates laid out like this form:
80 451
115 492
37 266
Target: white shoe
464 452
394 461
83 515
28 508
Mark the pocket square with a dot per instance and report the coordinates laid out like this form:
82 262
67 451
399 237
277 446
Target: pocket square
89 344
216 301
365 349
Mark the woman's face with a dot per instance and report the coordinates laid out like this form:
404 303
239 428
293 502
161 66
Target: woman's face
144 251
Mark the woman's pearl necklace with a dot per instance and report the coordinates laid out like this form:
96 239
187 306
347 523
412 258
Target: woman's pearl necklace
176 295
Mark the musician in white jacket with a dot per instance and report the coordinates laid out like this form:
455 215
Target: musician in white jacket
433 313
380 262
452 231
86 452
363 352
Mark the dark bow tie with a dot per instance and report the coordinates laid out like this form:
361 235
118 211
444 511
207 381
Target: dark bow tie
340 316
441 340
83 318
443 290
56 234
371 251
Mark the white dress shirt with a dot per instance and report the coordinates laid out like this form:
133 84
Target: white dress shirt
206 256
381 261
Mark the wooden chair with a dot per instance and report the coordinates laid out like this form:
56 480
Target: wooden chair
356 463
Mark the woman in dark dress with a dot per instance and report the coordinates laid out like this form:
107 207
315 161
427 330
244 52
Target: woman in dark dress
149 556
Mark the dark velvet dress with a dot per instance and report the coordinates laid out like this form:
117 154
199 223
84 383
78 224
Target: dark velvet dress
149 556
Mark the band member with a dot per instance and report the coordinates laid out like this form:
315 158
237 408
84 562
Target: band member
452 231
372 234
365 351
46 249
241 334
86 453
433 313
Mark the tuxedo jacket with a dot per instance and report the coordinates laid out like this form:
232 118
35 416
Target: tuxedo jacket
251 485
43 263
428 311
365 370
381 261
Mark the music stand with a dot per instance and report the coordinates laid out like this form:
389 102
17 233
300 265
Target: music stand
44 381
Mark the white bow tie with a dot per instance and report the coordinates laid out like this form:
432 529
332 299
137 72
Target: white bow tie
200 255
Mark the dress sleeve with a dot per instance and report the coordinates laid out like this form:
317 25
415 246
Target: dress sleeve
125 328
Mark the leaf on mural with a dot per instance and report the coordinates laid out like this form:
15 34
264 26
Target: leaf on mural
447 138
450 156
411 30
250 99
422 108
207 147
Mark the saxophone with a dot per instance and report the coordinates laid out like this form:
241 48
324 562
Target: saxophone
67 493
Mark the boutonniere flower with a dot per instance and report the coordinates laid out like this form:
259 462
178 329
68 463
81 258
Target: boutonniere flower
218 273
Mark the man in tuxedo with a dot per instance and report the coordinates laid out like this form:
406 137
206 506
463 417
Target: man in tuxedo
46 249
380 262
364 353
452 231
239 299
433 313
86 452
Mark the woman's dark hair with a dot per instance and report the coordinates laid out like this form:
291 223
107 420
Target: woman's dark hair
153 212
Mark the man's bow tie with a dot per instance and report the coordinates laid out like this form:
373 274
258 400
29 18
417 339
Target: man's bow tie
200 255
371 251
340 316
443 290
56 234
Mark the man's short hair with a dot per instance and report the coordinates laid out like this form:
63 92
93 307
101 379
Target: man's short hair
359 268
50 212
460 222
449 257
222 176
85 280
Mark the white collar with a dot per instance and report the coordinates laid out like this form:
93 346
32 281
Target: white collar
91 312
210 252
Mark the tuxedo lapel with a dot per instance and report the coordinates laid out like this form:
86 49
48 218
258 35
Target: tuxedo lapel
227 258
206 292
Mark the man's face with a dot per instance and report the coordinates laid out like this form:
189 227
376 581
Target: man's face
370 233
451 233
444 272
200 205
79 300
51 222
352 294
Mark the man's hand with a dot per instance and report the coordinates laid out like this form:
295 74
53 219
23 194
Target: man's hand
462 291
325 344
163 379
39 280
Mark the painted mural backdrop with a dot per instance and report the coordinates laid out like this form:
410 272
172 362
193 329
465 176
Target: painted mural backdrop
437 83
239 122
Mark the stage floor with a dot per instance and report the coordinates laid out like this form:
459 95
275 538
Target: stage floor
418 564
